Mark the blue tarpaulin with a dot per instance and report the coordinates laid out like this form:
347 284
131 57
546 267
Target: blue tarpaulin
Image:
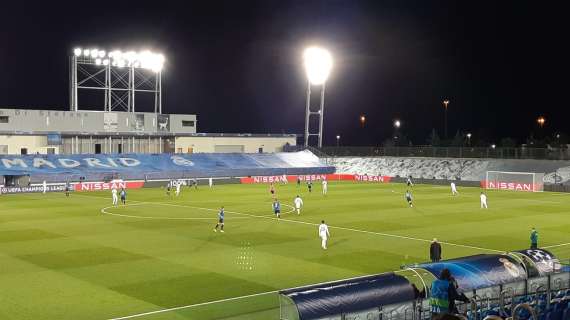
318 301
140 165
479 271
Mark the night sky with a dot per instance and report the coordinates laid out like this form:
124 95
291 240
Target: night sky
238 64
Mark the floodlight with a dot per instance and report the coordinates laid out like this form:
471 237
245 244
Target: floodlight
106 62
131 56
94 53
102 53
98 61
318 64
137 64
77 52
86 52
121 63
397 123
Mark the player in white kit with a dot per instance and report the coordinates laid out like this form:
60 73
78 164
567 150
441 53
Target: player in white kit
178 185
298 204
44 187
325 187
483 201
115 197
210 182
454 189
324 234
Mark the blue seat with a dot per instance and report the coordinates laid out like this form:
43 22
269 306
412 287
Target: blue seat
566 314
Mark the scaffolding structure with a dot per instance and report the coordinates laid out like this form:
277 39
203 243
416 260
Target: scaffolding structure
118 76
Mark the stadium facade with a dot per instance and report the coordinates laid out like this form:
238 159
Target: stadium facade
115 132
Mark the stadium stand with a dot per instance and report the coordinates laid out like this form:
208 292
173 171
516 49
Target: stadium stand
62 168
450 168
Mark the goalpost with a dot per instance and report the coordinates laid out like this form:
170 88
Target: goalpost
516 181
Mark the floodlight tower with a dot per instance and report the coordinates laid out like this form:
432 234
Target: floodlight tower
119 75
318 65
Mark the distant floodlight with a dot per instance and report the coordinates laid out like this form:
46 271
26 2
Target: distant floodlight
137 64
397 124
86 52
98 61
77 52
318 65
121 63
94 53
493 146
102 53
106 62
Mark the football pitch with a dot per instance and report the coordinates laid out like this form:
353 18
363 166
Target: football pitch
158 257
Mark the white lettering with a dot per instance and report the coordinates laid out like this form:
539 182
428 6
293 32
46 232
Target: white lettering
94 162
112 162
38 162
14 162
69 163
129 162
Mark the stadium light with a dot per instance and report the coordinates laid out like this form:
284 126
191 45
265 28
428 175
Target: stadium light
362 120
337 140
541 120
397 124
106 62
493 146
445 105
143 59
469 139
318 64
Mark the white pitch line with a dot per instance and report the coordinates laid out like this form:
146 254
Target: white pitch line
557 245
339 228
193 305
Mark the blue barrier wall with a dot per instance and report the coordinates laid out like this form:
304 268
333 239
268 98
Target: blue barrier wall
160 166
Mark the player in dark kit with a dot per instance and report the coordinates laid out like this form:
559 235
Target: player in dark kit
277 208
409 182
409 198
272 190
221 216
123 196
67 189
168 188
310 185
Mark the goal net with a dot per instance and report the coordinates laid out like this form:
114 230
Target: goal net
516 181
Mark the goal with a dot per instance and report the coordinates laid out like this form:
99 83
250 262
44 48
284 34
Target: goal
516 181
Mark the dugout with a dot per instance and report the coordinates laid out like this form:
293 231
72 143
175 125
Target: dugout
362 297
404 294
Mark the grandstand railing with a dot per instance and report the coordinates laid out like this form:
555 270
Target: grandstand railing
442 152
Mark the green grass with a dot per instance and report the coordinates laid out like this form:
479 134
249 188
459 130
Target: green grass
61 258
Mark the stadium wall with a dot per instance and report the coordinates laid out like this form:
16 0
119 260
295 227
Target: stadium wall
13 144
246 144
556 172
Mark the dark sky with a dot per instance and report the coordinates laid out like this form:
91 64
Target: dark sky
237 64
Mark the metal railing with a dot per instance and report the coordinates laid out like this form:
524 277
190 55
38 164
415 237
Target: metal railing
444 152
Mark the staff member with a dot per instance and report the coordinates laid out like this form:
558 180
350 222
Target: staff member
435 251
443 296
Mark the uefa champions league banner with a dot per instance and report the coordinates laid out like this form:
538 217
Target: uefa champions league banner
542 261
480 271
146 163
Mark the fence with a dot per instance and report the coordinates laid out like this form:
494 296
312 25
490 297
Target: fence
445 152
